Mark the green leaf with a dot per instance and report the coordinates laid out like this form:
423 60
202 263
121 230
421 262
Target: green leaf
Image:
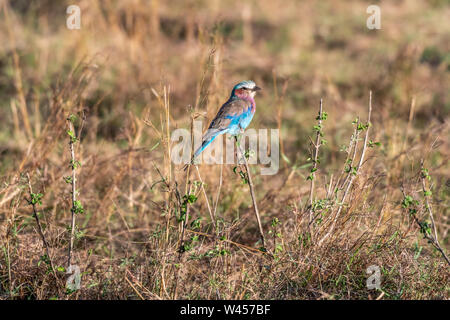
278 248
72 118
191 198
285 158
72 136
155 146
68 179
77 207
275 221
36 198
323 117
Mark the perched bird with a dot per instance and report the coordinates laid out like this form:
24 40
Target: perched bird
234 115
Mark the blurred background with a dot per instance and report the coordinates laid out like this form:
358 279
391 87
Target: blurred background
299 51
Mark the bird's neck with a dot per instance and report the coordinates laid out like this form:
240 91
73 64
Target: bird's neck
247 98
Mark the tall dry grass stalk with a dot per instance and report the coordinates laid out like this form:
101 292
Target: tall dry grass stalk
315 156
242 156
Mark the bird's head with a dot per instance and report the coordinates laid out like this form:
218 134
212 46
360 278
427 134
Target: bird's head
245 89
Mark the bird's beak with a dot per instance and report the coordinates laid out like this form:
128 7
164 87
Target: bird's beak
256 88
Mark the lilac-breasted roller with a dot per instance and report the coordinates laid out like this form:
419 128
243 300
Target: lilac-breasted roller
234 115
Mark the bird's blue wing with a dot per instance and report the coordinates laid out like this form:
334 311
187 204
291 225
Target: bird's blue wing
231 115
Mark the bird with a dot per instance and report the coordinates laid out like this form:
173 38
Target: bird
234 116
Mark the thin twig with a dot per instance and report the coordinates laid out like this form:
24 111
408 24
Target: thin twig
213 219
408 128
252 192
169 190
38 222
185 221
317 145
74 195
134 288
352 144
219 189
353 175
434 239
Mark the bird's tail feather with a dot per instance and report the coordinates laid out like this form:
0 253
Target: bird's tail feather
205 143
209 137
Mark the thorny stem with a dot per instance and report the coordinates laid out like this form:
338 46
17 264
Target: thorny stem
187 186
74 196
252 192
434 240
185 222
38 222
353 175
181 244
316 153
349 159
169 190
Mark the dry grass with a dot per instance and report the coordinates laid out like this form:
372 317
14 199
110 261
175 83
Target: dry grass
137 70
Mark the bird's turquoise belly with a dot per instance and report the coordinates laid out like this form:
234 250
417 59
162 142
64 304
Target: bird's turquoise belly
246 120
240 123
